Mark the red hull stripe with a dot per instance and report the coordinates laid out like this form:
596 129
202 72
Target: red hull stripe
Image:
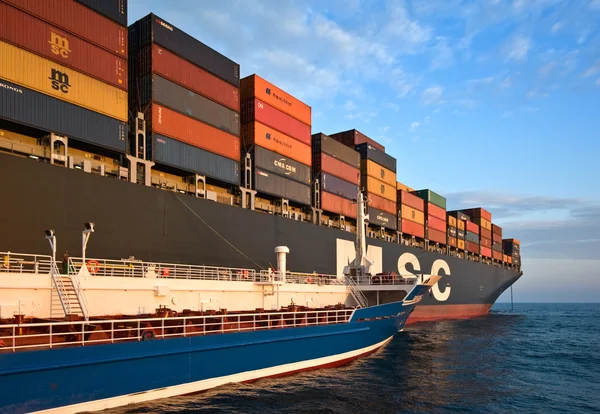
438 312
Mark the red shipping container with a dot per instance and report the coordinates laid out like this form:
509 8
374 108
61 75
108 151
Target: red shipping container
256 110
485 233
339 205
411 200
486 251
436 236
256 133
188 130
382 204
472 227
192 77
485 242
412 228
452 241
79 20
37 36
353 137
472 247
435 211
497 230
497 255
340 169
436 223
497 238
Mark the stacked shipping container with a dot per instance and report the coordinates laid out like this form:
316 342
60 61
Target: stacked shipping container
411 214
497 243
483 219
190 96
337 167
435 216
352 138
276 132
64 69
461 230
512 249
378 181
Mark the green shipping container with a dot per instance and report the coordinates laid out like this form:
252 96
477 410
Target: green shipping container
431 197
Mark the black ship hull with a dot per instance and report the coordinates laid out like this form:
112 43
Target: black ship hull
163 226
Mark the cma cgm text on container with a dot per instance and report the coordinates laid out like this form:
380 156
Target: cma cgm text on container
80 21
35 35
45 76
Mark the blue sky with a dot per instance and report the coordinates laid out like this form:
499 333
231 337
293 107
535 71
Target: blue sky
490 103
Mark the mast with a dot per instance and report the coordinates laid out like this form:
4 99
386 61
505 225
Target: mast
361 264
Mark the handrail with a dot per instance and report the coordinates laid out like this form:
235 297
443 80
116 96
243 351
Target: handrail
297 277
385 280
80 295
60 289
82 333
24 263
357 294
139 268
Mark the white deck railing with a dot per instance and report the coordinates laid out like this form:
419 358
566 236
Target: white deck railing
24 336
24 263
385 280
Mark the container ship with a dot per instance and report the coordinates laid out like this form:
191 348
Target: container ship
154 136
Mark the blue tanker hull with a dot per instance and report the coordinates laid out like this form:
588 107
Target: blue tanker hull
103 376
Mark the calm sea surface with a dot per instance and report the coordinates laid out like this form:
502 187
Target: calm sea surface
538 358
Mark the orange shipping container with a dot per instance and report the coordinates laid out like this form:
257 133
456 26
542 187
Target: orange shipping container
403 187
412 214
256 133
254 86
483 223
452 241
451 221
50 78
340 169
435 211
334 204
377 171
195 133
460 224
461 244
379 188
381 203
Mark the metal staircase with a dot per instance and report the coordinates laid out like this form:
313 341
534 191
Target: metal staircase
355 291
68 292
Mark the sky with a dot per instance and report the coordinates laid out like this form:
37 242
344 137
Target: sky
489 103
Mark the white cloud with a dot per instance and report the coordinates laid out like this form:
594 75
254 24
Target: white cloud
409 33
350 106
545 70
506 83
467 103
595 4
517 48
386 129
598 81
592 70
558 26
443 55
414 126
537 93
432 95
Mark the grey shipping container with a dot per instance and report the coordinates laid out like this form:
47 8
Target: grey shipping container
277 163
337 186
153 29
44 112
382 218
115 10
472 237
321 143
452 231
460 234
369 152
158 89
497 247
275 185
178 154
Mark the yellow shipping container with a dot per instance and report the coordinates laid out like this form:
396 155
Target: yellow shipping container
377 171
460 224
403 187
379 188
451 221
47 77
485 224
411 214
461 244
